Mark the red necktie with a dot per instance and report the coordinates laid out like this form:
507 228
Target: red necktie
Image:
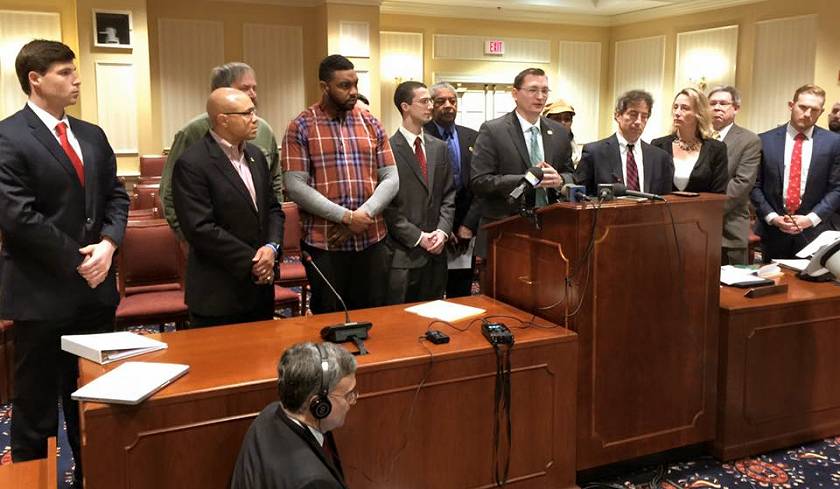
795 177
632 170
61 129
418 150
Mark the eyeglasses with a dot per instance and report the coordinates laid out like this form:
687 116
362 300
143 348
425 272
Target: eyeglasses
350 397
252 112
719 102
532 91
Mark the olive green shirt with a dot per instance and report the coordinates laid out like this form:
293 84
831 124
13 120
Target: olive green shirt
193 132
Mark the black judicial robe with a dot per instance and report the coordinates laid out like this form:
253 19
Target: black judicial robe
277 453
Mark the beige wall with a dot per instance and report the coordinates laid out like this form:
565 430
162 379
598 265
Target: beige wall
320 27
745 17
69 31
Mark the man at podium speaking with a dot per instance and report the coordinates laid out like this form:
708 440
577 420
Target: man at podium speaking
624 157
507 146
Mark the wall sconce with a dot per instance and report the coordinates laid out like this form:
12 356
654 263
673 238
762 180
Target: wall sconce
700 83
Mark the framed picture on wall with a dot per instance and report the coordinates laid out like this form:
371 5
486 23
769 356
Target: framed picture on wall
112 29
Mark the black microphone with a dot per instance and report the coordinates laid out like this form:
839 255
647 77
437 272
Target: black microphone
532 178
620 189
349 330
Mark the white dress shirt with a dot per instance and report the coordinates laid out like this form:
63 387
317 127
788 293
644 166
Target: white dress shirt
723 132
637 154
51 122
807 150
526 133
319 437
410 138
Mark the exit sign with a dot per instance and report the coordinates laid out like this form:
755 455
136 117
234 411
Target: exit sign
495 47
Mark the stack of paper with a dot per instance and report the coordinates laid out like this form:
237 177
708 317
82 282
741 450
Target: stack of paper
794 264
109 347
130 383
730 275
445 311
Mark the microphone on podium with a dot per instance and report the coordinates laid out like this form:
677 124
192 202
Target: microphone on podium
348 330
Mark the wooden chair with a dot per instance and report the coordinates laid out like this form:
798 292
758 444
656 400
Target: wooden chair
292 274
146 196
152 165
150 278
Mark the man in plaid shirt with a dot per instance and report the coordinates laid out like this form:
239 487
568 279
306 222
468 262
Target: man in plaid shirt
339 169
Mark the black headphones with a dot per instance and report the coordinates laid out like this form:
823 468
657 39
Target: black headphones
321 407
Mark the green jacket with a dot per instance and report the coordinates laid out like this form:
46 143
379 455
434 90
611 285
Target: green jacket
193 132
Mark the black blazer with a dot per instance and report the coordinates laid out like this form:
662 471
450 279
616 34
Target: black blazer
223 228
601 163
46 216
277 453
710 173
500 160
419 206
467 209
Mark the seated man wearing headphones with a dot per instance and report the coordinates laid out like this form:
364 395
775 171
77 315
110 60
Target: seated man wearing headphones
289 445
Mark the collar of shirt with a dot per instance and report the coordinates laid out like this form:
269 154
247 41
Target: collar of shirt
526 126
442 130
723 132
48 118
622 143
319 437
410 137
234 153
792 132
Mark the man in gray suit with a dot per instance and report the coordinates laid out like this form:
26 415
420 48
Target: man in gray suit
507 146
420 217
744 151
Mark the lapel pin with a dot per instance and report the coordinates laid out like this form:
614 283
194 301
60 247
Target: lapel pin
549 132
470 148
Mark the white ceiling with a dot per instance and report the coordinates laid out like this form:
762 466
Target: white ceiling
579 12
586 12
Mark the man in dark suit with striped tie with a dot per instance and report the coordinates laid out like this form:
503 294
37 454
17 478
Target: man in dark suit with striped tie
624 157
62 215
798 186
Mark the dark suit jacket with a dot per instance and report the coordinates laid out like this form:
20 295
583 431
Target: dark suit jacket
822 185
46 216
277 453
500 160
419 206
743 149
223 229
601 163
467 209
710 173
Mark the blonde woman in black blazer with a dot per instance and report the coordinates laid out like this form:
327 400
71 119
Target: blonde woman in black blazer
700 162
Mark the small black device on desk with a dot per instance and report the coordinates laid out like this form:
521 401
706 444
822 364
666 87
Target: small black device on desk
437 337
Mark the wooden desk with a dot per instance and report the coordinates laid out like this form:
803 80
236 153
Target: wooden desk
189 434
34 474
779 376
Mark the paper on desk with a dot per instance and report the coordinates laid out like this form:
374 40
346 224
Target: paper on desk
462 260
130 383
825 238
445 311
793 264
730 275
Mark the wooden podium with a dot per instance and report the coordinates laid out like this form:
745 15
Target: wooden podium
644 302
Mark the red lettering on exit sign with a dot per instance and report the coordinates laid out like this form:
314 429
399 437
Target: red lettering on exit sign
495 47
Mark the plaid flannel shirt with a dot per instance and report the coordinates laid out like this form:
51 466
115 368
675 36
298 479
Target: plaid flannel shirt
342 157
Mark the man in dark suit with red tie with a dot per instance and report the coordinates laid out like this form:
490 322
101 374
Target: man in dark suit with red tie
798 186
290 444
230 217
62 216
419 218
459 142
